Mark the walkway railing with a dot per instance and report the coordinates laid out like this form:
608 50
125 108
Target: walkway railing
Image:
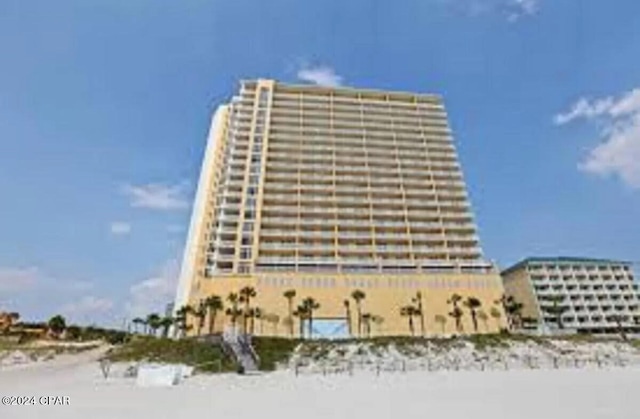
458 364
240 345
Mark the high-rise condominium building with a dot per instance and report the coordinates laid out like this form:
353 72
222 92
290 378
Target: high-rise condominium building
324 191
593 295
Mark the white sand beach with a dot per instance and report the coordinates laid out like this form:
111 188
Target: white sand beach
545 393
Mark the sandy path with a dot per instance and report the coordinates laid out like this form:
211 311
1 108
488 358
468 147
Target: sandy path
61 363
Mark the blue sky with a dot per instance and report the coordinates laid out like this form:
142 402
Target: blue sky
105 106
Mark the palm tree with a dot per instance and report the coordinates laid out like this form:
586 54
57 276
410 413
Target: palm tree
496 314
377 320
456 312
366 324
137 321
556 309
358 296
454 300
290 295
246 293
310 305
213 305
302 313
442 320
200 314
165 324
484 318
347 308
513 310
473 304
153 321
234 312
182 319
252 314
409 311
418 301
257 314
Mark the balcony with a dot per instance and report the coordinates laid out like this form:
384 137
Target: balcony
431 249
342 223
392 248
342 234
464 250
280 246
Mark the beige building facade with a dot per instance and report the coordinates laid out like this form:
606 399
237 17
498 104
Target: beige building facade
328 190
595 295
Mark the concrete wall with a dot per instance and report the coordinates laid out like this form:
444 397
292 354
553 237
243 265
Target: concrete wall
385 295
518 285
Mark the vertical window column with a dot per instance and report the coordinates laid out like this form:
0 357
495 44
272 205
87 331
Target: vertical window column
217 251
251 189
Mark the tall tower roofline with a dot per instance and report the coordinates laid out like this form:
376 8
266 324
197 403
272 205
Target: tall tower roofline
316 88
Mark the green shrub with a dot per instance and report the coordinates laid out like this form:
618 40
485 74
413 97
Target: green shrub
483 342
117 337
273 351
203 356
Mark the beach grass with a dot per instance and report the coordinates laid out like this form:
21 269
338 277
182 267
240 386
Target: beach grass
274 351
203 356
8 346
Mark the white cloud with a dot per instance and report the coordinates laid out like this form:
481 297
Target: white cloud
34 293
157 196
320 75
18 279
87 305
13 280
154 293
89 309
517 9
618 152
513 10
120 228
585 108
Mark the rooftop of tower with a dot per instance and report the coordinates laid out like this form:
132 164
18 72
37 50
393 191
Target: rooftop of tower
427 97
563 259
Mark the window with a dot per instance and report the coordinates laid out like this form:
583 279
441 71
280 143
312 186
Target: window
263 99
245 253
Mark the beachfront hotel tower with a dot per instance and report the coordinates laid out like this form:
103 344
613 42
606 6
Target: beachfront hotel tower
581 295
328 190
